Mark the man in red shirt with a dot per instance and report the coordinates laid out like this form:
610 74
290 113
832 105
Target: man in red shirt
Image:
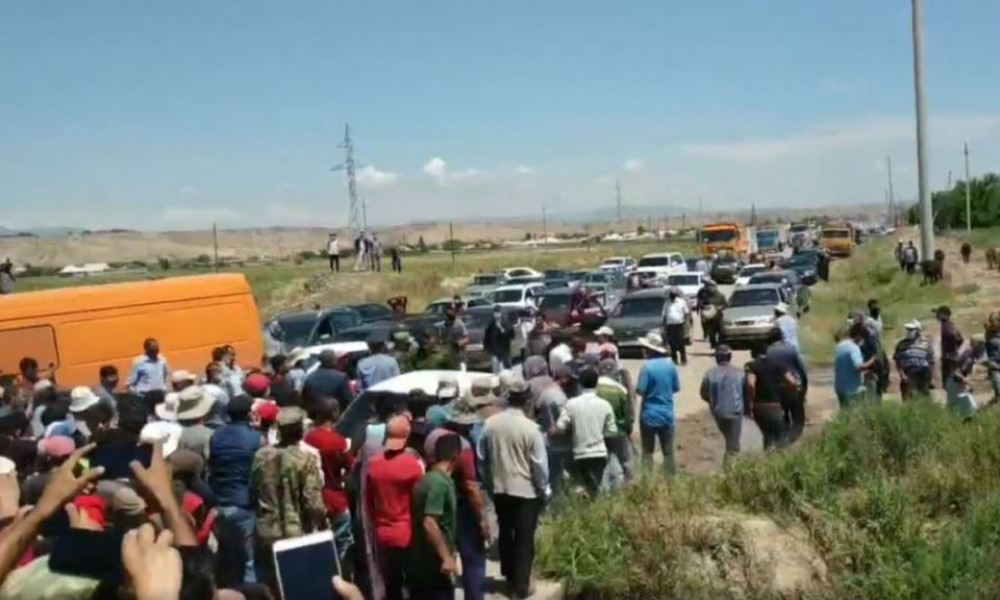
392 475
335 460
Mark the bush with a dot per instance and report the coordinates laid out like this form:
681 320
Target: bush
164 263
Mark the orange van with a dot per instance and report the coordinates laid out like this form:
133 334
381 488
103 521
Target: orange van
73 332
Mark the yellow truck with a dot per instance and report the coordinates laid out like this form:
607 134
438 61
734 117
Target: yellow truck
838 239
716 238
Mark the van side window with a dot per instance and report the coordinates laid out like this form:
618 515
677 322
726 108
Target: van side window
38 342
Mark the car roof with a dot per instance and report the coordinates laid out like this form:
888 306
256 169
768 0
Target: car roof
783 273
517 286
558 291
759 286
650 293
660 254
427 381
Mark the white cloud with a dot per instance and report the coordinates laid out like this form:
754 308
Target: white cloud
633 164
438 169
524 170
372 178
847 136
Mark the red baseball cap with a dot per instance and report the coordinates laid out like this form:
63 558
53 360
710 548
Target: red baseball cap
257 385
268 412
397 431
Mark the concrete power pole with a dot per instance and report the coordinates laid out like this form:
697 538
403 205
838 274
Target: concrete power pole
926 208
968 192
618 198
893 219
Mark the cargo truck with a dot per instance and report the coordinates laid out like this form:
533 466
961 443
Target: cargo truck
740 240
838 239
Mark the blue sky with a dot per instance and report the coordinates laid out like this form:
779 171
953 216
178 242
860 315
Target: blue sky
175 114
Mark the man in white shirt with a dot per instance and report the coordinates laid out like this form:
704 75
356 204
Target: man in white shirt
591 419
560 355
333 251
675 324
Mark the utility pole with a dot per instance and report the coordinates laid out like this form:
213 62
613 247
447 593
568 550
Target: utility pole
355 219
892 196
949 180
618 198
545 230
215 245
451 237
926 208
968 192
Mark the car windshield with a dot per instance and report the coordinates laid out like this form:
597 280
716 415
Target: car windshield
760 297
718 235
294 330
553 274
613 262
551 301
836 234
799 228
437 308
803 260
769 278
353 335
640 307
519 273
595 278
512 295
751 271
654 261
485 280
371 311
684 280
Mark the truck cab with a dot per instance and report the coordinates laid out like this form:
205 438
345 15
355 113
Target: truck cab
728 237
838 239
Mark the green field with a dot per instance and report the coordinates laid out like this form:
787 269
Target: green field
426 277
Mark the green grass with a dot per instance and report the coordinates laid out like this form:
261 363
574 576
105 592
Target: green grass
980 239
900 501
426 277
871 273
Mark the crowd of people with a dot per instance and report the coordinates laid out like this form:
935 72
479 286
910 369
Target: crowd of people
368 253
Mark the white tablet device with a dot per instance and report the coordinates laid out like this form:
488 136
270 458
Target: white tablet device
306 565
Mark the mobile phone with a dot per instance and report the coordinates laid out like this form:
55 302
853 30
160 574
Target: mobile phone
306 565
115 458
85 553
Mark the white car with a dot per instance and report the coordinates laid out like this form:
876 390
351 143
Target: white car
518 295
662 265
689 284
618 264
743 277
521 274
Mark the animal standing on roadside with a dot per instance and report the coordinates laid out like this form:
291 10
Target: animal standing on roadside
966 252
991 258
933 270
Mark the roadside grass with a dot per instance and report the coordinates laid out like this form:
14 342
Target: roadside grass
900 501
980 239
871 273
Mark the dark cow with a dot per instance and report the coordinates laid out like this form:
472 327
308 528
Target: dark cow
966 252
933 270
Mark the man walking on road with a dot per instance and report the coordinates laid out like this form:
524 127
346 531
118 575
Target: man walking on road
722 387
590 419
793 399
711 303
675 323
787 324
512 453
951 342
658 382
914 358
333 252
765 379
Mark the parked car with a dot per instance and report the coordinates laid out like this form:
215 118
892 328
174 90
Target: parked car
634 316
554 303
520 295
521 275
662 264
725 268
743 277
371 312
482 284
796 293
748 319
610 285
555 278
689 285
618 264
290 331
806 265
476 320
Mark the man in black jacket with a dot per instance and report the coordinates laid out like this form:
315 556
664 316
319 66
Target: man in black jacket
497 340
327 382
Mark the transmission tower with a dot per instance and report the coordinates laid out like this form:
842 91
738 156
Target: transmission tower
355 219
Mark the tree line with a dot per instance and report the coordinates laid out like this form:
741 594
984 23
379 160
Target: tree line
949 205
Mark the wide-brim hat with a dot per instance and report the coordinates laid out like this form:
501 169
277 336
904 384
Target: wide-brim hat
465 409
82 398
653 341
191 404
914 324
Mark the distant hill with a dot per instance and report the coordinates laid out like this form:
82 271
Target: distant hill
40 232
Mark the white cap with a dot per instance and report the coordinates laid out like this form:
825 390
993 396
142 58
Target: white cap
914 324
605 330
82 398
182 376
781 307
